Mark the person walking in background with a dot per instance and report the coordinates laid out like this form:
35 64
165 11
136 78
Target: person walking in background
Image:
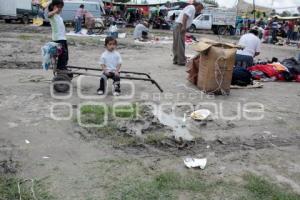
183 22
245 26
275 28
79 18
290 27
266 35
261 23
298 35
239 27
296 31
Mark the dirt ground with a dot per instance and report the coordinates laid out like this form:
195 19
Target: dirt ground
79 166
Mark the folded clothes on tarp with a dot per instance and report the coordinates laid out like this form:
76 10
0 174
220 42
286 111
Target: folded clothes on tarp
268 69
274 71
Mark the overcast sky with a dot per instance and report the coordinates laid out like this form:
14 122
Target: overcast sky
268 3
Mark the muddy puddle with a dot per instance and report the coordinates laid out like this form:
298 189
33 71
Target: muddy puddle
160 121
170 131
177 124
8 166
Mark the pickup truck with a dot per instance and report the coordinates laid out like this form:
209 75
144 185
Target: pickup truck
22 10
220 21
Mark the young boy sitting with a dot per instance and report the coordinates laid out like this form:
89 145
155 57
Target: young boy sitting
110 62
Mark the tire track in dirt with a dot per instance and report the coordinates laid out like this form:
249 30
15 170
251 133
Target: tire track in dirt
221 146
20 65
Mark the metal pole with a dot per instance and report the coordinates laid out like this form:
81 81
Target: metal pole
254 12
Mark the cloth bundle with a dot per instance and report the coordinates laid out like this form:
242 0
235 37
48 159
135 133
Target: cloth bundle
49 51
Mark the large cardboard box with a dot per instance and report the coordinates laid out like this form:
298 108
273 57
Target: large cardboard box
215 66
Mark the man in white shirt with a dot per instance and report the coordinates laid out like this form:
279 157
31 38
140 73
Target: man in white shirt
251 44
141 31
183 22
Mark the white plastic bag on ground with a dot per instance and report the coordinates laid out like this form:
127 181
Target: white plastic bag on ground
195 162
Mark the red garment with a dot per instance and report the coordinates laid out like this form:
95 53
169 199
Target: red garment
268 69
297 78
291 25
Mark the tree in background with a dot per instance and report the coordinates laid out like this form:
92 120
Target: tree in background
212 2
286 14
273 12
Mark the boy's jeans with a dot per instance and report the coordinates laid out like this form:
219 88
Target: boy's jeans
110 75
78 23
243 61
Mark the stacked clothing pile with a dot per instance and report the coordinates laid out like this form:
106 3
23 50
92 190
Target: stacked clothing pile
287 70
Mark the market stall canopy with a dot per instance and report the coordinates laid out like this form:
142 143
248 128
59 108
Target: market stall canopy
163 7
287 18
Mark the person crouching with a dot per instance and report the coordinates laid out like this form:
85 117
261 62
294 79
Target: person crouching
110 62
141 31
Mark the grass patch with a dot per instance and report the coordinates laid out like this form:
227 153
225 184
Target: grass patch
260 188
25 37
126 111
165 186
9 189
155 138
119 141
169 186
97 114
92 114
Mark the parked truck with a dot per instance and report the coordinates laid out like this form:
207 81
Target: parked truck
220 21
17 10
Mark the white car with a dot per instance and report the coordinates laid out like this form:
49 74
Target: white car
219 21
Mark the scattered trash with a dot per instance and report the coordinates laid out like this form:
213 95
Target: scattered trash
221 141
84 33
122 35
200 114
184 118
207 146
27 142
267 132
195 162
12 124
